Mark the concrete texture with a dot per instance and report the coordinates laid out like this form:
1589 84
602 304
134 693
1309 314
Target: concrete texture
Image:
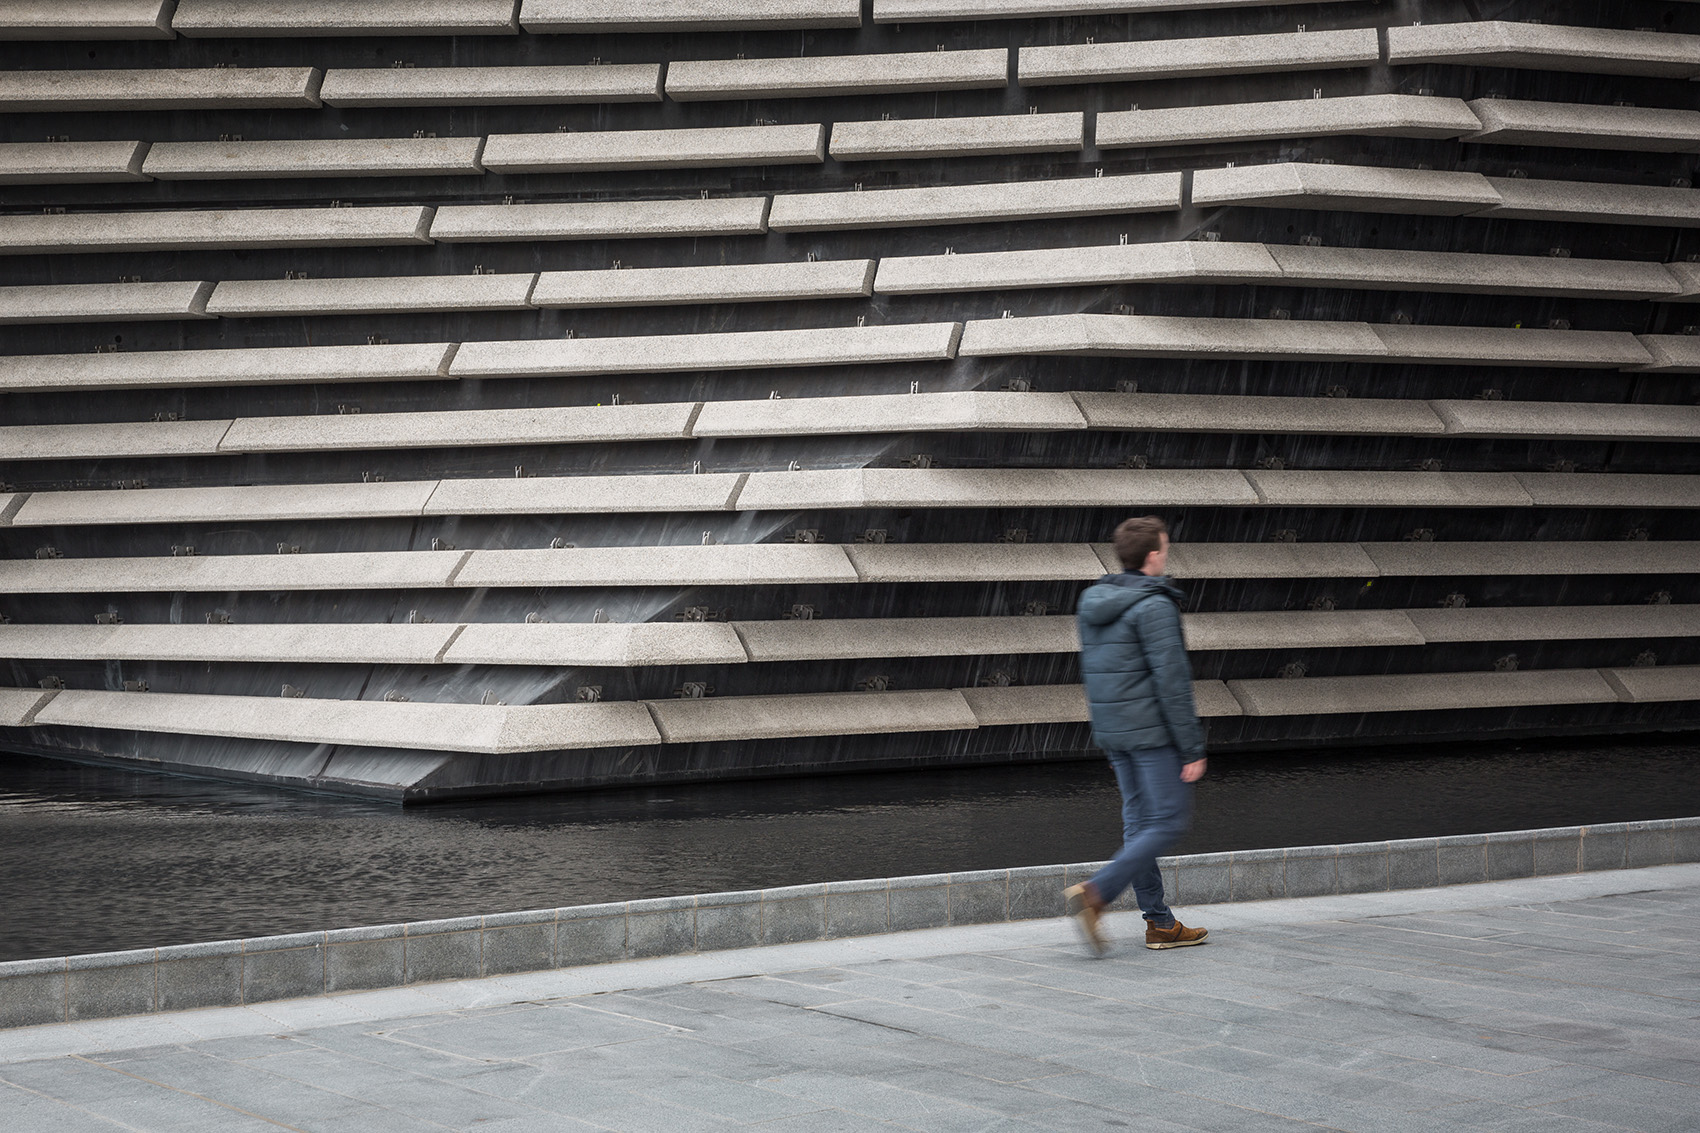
1299 629
1346 188
1687 276
843 638
1168 336
1293 488
1470 272
491 86
1528 198
686 15
1421 692
563 645
1554 420
973 562
65 163
810 714
1186 261
1503 43
244 503
1213 413
179 230
1556 623
1511 346
1654 685
716 283
345 17
1625 490
967 410
584 495
159 88
18 706
677 148
1383 115
370 295
375 570
449 429
697 80
1262 560
334 157
104 302
1671 353
92 19
1192 58
1575 126
975 204
939 11
254 366
713 564
318 643
598 220
991 487
111 439
1557 556
1066 704
900 138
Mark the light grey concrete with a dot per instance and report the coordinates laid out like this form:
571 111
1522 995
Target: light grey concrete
1624 489
811 714
579 643
962 411
1503 43
819 76
900 138
456 428
371 570
159 88
599 220
111 439
686 15
1193 261
939 11
727 350
1191 58
1348 188
713 283
991 487
1224 413
1170 336
104 302
18 706
1653 685
316 644
973 562
1421 692
1470 272
1262 560
1586 202
834 639
245 503
1511 346
1293 488
1299 629
91 19
713 564
331 157
491 86
183 229
1569 419
1066 704
344 17
677 148
65 163
1375 115
371 295
1687 275
1514 122
1556 623
976 204
264 365
1672 353
1551 557
584 495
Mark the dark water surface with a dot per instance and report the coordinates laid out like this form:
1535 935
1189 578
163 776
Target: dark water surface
94 859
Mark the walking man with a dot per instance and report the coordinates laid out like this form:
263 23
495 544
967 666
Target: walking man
1139 690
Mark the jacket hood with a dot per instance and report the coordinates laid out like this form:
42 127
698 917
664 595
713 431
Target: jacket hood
1115 594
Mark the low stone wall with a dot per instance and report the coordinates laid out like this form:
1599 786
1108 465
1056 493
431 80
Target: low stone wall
232 972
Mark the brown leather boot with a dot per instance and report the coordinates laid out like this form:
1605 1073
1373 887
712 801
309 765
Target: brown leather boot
1087 908
1176 935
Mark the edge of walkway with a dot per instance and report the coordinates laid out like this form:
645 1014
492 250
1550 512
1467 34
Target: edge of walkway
235 973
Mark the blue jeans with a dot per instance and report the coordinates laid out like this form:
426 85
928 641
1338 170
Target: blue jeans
1156 811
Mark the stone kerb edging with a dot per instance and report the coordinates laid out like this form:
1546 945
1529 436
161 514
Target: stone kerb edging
234 972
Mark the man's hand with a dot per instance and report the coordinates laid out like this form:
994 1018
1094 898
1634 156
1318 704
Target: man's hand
1193 772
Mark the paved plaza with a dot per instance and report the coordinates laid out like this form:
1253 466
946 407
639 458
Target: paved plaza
1548 1005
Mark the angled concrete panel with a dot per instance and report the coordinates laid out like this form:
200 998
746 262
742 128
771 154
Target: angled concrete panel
818 76
717 283
596 644
65 163
976 204
811 714
1586 202
159 88
1212 413
686 15
973 562
1470 272
1687 276
971 410
18 706
104 302
91 19
1388 489
1511 346
111 440
992 487
1616 489
1262 560
1531 558
584 495
853 638
678 148
1671 353
1300 629
247 503
491 86
900 138
577 424
714 564
1513 122
1551 47
1066 704
938 11
225 18
371 295
1556 623
1190 261
179 230
1421 692
372 570
1554 420
599 220
319 643
1191 58
254 366
1656 685
1165 336
1349 188
334 157
1385 115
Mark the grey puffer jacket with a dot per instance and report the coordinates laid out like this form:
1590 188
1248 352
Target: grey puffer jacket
1133 660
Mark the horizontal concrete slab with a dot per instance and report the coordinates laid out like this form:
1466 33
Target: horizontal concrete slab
1213 413
577 424
677 148
973 562
835 639
1653 685
1526 198
976 204
599 220
185 229
1469 272
159 88
373 570
1384 115
318 643
818 76
1416 559
1555 420
1511 346
332 157
1291 488
256 503
712 719
970 410
596 644
1514 122
1193 261
371 295
715 283
1687 276
992 487
1671 353
1066 704
713 564
1421 692
1168 336
66 163
938 11
1350 188
208 18
1556 623
1503 43
1299 629
731 350
111 440
102 19
899 138
1617 489
104 302
1261 560
1190 58
686 15
18 706
491 86
585 495
265 365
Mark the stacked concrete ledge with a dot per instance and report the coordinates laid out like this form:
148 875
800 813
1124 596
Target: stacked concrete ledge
232 972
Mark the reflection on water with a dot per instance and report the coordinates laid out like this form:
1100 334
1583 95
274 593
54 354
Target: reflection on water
93 859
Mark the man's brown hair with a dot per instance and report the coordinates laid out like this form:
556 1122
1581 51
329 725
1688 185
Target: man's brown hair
1137 537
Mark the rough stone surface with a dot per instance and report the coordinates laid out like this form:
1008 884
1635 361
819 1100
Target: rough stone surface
844 638
1503 43
976 204
491 86
810 714
1189 58
677 148
1555 420
1350 188
260 365
160 88
1291 488
334 157
403 570
968 410
899 138
1625 490
1213 413
1558 556
1594 202
686 15
694 80
110 440
1188 260
1470 272
1263 560
721 283
583 495
991 487
344 17
597 220
327 643
1516 123
569 644
1656 685
1557 623
577 424
183 229
64 163
104 302
1171 336
1299 629
246 503
1386 115
1419 692
958 562
369 295
715 564
1511 346
91 19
